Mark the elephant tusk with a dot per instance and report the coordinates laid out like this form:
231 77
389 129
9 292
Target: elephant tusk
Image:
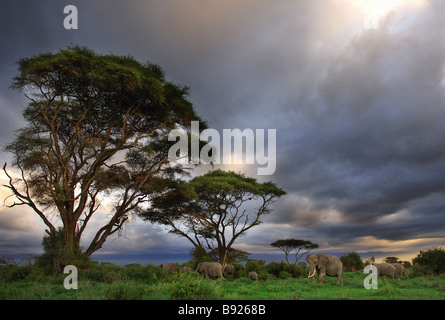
310 276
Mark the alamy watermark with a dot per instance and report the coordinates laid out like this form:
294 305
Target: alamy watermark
228 150
371 280
70 281
71 20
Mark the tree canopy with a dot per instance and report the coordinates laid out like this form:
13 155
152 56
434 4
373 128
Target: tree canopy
96 125
288 245
214 209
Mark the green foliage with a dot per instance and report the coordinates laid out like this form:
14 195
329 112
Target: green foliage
14 273
192 286
129 290
53 258
33 283
352 262
253 265
110 273
282 269
431 260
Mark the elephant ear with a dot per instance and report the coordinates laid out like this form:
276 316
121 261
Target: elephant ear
323 260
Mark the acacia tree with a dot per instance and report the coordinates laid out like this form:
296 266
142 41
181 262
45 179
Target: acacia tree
213 210
96 125
288 245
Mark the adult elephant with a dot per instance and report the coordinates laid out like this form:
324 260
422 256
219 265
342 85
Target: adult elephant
325 264
170 268
210 269
386 269
400 270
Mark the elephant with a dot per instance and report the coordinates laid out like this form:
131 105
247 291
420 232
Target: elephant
170 268
186 269
210 269
325 265
400 270
230 269
386 269
253 276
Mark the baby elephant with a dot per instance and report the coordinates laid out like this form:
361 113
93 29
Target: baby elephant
253 276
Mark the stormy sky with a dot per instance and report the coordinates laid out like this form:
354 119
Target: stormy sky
354 88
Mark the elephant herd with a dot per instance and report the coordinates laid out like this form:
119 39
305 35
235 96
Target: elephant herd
323 265
332 266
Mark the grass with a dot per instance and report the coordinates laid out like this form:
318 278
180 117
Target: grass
110 282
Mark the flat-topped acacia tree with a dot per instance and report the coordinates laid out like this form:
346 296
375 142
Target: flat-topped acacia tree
213 210
95 125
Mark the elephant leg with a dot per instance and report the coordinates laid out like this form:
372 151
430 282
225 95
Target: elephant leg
321 275
339 279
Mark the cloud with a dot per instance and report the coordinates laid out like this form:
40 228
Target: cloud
358 113
372 141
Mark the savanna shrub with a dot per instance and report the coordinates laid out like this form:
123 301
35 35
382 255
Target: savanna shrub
284 275
276 268
147 274
14 273
191 286
432 260
352 262
253 265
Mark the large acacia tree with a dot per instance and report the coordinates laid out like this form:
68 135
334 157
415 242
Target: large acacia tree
213 210
96 125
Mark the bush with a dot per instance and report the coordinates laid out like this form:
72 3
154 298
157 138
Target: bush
284 275
253 265
293 270
53 260
432 260
14 273
352 262
147 274
240 270
191 286
418 270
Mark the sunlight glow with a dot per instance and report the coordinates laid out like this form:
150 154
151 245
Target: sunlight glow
382 7
375 10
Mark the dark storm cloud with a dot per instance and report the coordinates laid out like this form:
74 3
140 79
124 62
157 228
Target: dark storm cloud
359 113
373 144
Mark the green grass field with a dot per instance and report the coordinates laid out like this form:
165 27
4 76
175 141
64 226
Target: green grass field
148 283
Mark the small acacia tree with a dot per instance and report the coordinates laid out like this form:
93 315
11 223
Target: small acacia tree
96 125
213 210
288 245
